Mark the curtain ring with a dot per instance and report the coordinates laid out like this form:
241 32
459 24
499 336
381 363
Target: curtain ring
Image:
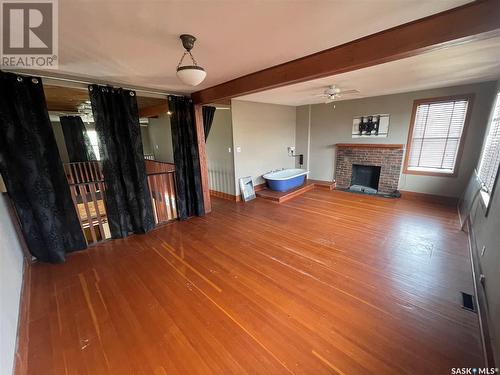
19 79
34 80
132 93
91 88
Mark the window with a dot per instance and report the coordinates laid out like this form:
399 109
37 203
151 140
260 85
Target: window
436 135
490 159
92 134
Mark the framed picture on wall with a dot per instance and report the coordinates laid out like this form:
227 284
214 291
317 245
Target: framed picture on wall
246 188
370 126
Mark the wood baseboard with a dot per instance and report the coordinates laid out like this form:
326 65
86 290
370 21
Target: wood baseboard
431 198
220 194
21 353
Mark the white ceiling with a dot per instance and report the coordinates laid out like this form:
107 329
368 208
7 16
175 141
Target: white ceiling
136 42
466 63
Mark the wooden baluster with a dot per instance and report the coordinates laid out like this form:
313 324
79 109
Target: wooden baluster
102 190
97 210
74 196
173 196
153 202
164 195
86 172
164 206
168 190
159 200
79 173
73 173
99 170
87 211
90 166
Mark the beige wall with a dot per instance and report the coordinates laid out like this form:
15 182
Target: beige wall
61 144
263 132
330 126
487 234
220 160
302 135
160 137
11 276
146 142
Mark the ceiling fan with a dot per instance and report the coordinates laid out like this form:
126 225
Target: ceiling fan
333 92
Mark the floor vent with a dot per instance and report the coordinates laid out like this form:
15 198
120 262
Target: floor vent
468 302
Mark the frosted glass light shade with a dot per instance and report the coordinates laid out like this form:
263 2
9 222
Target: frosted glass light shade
191 75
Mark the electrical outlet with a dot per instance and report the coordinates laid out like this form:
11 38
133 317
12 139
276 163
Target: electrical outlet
238 149
291 150
229 150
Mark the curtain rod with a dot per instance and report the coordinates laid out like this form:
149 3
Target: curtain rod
82 81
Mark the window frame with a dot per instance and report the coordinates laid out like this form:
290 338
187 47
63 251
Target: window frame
487 196
441 99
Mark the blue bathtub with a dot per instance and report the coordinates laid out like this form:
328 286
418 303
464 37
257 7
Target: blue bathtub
285 179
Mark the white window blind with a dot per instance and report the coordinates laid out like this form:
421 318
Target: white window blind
490 159
436 136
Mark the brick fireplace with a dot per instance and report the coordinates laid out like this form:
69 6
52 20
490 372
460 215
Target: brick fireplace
388 157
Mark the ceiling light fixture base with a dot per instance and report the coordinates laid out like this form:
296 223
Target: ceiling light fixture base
187 41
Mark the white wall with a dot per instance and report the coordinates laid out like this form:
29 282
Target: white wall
263 132
219 159
487 234
11 276
329 126
160 137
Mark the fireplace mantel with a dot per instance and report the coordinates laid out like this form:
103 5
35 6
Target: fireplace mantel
369 145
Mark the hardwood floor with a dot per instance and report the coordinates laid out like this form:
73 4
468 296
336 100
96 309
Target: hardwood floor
327 283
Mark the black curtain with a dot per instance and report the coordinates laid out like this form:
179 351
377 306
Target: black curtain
76 139
33 172
208 118
186 157
128 201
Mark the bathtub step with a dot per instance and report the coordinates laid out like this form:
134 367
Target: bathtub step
283 196
328 185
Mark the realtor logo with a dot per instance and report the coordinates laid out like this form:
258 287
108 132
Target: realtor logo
29 34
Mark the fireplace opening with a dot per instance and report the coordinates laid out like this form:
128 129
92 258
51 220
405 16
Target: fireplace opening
365 178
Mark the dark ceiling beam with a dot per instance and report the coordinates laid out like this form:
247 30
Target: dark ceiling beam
472 21
155 110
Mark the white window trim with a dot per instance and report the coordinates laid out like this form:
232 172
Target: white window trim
486 195
407 169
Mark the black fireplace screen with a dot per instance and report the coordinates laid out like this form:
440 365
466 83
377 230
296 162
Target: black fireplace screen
365 175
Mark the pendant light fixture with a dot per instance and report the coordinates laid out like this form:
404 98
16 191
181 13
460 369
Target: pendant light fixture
194 74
